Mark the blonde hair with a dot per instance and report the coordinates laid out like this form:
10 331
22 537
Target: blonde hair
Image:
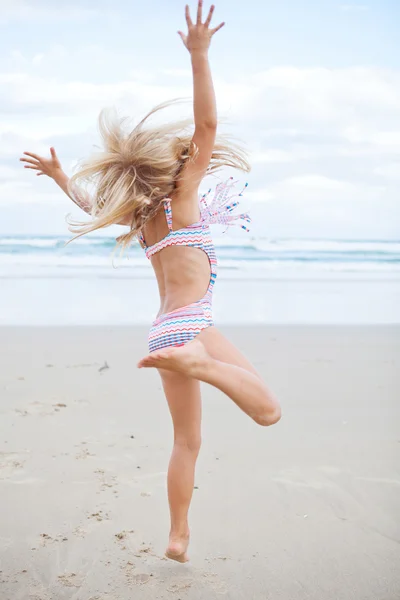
137 169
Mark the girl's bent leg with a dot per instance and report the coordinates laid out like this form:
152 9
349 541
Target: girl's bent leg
213 359
183 396
234 375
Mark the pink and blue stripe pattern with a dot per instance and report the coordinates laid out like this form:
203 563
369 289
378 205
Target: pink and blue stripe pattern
180 326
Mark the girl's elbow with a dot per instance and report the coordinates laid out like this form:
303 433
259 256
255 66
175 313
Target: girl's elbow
208 125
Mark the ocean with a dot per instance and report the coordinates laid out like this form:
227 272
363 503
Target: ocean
288 281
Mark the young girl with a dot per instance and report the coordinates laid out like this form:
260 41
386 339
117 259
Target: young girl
148 179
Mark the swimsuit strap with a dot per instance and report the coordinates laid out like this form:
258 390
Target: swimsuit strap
168 212
168 216
141 240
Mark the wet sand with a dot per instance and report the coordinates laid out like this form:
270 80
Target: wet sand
307 509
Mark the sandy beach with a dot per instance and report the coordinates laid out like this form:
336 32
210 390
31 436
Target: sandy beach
305 510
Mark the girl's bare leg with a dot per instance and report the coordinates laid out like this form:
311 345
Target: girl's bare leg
183 396
213 359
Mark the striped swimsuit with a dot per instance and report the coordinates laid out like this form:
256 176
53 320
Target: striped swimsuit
182 325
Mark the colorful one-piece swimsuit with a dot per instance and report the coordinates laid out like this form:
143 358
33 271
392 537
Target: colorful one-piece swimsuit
183 324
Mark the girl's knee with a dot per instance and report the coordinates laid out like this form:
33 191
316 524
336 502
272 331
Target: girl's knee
186 443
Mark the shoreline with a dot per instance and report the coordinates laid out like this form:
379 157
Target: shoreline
127 302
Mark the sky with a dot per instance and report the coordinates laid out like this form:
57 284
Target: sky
312 88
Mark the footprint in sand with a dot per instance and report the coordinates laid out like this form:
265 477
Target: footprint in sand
99 516
10 462
145 550
216 584
123 534
70 580
106 480
123 538
180 585
79 531
37 408
46 539
83 454
135 578
223 558
38 595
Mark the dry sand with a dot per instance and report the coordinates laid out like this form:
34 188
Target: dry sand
307 509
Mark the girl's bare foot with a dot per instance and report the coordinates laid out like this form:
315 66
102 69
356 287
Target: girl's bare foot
191 359
177 549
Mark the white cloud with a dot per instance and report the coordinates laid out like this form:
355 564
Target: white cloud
314 206
8 173
19 61
291 96
272 155
371 141
10 191
11 144
319 138
38 59
360 104
389 171
316 182
185 73
26 93
314 193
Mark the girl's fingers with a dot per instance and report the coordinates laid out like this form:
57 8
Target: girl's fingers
182 36
187 15
29 160
217 28
34 168
210 14
199 12
53 153
40 173
32 155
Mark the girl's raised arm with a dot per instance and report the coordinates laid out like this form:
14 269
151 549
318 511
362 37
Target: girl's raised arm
52 168
197 41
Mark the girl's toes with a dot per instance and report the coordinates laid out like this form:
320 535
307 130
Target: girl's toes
154 359
147 361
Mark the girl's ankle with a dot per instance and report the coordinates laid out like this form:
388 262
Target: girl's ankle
179 533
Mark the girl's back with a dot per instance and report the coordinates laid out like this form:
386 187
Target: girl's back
182 271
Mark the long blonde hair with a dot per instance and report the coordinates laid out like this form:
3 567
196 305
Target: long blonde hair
137 169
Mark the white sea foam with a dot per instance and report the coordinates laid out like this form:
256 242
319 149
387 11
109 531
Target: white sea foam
332 246
252 258
31 242
80 261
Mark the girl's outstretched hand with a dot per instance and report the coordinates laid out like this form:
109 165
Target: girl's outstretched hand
199 34
44 166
